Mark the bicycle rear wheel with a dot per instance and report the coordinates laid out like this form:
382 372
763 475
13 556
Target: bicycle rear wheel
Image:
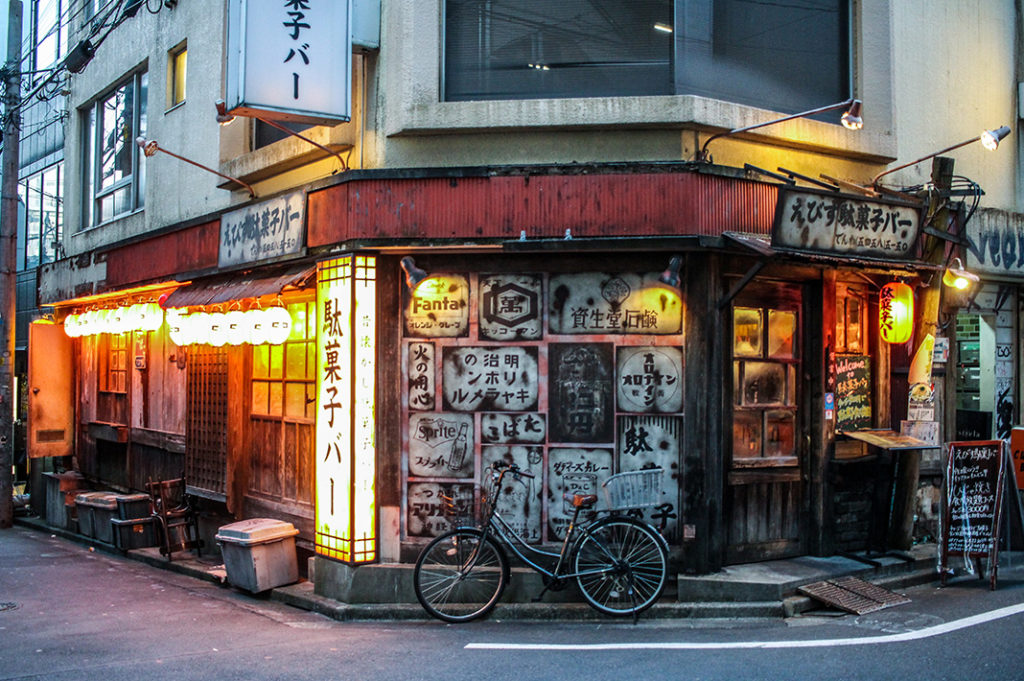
458 577
621 566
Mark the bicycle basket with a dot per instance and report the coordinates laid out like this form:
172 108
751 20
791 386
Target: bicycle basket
633 489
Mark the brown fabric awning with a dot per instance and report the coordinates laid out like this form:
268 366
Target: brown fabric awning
223 288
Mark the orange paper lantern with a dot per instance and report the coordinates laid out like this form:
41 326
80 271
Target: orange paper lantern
896 312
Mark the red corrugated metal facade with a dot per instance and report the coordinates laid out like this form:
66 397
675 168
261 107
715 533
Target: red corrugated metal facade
500 206
591 205
187 250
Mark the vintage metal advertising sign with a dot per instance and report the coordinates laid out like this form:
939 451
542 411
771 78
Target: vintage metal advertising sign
826 222
268 229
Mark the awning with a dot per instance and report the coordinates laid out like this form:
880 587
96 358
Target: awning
760 244
223 288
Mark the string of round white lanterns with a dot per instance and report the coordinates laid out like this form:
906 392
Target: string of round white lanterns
257 326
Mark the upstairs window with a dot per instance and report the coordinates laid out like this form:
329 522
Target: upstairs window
44 210
784 56
46 36
177 61
115 175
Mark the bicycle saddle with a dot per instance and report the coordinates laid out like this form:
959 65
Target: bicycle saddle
580 500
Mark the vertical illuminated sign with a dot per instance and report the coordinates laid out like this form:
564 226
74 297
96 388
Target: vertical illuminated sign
346 455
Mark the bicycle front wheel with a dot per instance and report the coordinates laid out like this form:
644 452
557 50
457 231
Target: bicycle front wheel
621 566
460 575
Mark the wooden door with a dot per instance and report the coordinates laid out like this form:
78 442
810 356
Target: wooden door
765 499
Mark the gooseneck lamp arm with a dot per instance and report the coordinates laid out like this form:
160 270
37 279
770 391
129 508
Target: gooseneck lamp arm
851 120
150 147
990 138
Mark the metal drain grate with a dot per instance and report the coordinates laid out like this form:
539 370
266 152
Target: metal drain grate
8 606
853 595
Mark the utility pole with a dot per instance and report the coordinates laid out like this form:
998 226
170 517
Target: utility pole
8 261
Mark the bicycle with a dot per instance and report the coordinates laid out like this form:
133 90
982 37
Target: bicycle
619 563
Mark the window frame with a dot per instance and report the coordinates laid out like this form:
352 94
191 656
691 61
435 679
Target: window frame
112 374
31 231
302 340
92 114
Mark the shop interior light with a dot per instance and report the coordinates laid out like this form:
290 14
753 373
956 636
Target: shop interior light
957 277
851 120
663 27
670 277
989 139
413 274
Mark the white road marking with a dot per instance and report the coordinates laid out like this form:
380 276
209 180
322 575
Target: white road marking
927 632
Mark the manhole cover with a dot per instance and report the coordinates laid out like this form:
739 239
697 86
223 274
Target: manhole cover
853 595
8 606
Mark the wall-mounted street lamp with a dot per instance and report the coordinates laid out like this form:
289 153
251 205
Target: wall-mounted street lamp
957 277
150 147
224 118
413 274
989 139
670 277
851 120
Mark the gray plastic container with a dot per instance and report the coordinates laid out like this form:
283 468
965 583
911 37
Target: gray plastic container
259 553
95 511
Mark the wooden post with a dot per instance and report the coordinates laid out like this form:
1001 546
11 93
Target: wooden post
901 522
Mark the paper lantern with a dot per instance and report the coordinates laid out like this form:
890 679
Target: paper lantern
256 326
71 326
151 317
176 326
236 327
278 323
896 312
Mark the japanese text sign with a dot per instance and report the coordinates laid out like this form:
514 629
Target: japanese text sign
845 225
290 59
268 229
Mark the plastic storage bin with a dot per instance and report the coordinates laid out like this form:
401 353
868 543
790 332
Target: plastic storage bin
132 506
259 553
134 533
95 511
61 491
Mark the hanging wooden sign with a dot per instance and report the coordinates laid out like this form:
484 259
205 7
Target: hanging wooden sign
974 494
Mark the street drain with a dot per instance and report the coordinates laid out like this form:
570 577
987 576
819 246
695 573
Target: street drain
8 606
853 595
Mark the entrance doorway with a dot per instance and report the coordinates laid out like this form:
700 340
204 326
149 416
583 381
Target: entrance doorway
765 496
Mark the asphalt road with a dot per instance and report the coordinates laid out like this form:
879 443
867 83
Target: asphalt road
70 613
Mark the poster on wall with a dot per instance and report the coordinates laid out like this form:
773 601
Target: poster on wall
580 392
510 307
654 442
438 308
529 428
519 500
853 392
441 445
624 303
420 372
429 514
650 379
489 378
573 471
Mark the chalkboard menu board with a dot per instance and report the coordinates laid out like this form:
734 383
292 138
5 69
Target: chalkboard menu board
974 491
853 392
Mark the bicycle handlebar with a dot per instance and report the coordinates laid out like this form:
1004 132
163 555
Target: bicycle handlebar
511 468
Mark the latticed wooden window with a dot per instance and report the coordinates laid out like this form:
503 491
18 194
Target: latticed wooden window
113 357
284 376
207 421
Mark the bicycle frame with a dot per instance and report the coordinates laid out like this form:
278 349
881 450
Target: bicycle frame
508 537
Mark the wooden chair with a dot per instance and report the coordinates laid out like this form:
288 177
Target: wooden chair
179 525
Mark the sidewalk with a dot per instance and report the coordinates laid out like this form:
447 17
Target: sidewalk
754 590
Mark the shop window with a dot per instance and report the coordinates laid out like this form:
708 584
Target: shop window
39 238
113 357
115 177
764 386
177 61
284 376
780 56
851 320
